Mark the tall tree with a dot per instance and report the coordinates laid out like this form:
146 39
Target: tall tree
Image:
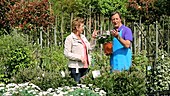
148 10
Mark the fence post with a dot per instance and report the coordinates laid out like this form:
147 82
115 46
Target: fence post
134 28
55 32
41 29
157 39
168 36
55 36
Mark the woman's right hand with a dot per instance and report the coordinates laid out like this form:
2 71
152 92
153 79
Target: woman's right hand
94 34
83 60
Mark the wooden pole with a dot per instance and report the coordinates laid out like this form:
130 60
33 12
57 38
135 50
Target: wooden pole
168 48
41 29
135 38
157 39
62 31
55 32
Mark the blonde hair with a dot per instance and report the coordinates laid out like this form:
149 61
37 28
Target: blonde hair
76 23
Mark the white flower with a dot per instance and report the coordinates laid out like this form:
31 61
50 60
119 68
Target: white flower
43 75
58 91
1 85
70 90
11 85
79 84
40 93
90 85
83 86
7 94
30 91
63 74
102 92
67 87
73 87
34 86
163 56
97 89
2 88
149 68
50 90
60 88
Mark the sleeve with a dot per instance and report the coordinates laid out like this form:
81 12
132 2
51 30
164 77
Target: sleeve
92 44
67 50
128 34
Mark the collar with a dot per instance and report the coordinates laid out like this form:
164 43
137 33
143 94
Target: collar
121 28
74 35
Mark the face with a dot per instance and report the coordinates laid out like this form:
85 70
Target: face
116 21
80 29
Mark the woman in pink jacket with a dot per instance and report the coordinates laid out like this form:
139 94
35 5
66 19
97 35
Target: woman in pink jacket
76 49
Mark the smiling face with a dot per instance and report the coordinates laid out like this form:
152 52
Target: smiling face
116 20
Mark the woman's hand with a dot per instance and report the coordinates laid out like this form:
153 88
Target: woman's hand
95 33
83 60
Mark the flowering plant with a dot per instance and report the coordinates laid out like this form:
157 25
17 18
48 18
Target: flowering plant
104 38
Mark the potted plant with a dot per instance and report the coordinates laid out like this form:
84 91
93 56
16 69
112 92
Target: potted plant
106 40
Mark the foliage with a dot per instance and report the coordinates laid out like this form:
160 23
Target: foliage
161 73
41 78
119 83
24 14
140 62
108 6
3 9
129 83
53 59
24 92
30 89
15 53
162 7
82 92
104 38
48 69
147 10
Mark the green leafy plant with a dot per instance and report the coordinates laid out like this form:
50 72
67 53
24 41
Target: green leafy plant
161 73
15 53
82 92
140 62
104 38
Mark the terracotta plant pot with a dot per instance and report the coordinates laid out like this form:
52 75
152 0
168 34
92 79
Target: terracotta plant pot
107 48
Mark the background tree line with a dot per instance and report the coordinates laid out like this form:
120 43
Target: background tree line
55 16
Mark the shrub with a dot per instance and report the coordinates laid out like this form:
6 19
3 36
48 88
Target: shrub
128 83
121 83
53 59
47 72
161 77
43 78
82 92
15 53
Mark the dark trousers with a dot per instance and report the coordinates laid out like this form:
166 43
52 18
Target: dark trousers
77 76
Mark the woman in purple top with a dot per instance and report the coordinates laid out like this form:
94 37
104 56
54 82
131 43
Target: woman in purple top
121 58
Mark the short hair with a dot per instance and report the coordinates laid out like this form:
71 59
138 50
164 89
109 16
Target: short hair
76 23
113 13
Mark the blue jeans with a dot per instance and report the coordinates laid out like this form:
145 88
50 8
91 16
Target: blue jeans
77 76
